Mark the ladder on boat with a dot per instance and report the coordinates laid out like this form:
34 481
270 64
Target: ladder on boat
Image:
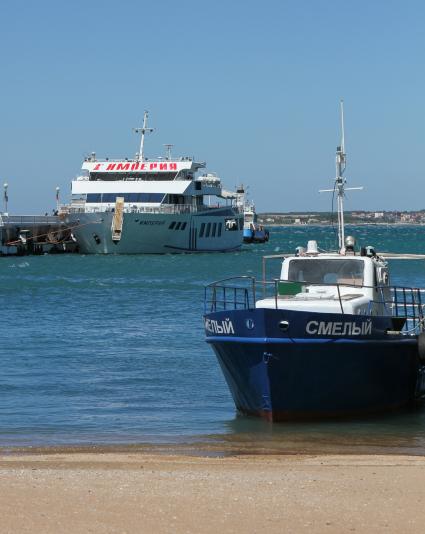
118 219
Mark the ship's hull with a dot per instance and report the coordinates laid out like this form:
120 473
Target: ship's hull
308 372
155 233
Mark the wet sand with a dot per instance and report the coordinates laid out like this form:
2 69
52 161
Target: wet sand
151 493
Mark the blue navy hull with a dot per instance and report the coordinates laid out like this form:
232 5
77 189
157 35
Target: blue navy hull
314 369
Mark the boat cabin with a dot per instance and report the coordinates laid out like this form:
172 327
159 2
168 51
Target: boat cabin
151 186
332 282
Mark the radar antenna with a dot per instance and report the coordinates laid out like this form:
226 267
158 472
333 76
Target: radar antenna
144 129
340 181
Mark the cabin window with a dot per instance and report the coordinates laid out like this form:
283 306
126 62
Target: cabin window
220 227
110 197
172 225
153 197
231 225
201 231
207 233
133 176
326 271
128 197
214 227
178 225
94 197
183 226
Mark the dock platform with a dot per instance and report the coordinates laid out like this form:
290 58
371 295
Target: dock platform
22 235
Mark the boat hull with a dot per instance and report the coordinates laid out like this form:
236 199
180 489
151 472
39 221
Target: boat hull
300 374
255 236
155 233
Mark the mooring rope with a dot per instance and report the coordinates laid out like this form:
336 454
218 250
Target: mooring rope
52 232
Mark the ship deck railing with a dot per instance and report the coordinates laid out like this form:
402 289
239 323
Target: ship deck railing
159 159
404 303
32 220
165 209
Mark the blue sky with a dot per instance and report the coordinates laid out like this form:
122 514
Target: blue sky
252 88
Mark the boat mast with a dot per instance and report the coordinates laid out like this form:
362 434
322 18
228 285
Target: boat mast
340 181
144 129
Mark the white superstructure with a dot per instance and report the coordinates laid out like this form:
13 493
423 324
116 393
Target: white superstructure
146 205
348 283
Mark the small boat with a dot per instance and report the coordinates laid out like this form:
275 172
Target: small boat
253 232
330 337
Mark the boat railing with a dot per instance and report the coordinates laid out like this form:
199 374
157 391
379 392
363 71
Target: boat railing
237 292
29 219
167 209
159 159
405 303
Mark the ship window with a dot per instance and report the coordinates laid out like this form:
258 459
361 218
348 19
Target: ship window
207 233
201 231
155 197
183 226
146 197
231 225
177 226
172 225
198 186
214 227
321 271
128 197
110 197
94 197
220 226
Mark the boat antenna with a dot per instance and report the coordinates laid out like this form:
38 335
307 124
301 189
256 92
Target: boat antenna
144 129
168 148
340 181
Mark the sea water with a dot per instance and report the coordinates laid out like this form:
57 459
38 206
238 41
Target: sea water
110 350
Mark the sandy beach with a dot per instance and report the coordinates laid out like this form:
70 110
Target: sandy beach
151 493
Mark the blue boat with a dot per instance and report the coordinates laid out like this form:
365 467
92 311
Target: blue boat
330 337
253 232
282 359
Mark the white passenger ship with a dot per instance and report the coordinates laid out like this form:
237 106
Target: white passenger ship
141 205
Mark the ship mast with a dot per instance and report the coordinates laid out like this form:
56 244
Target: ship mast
340 164
340 181
144 129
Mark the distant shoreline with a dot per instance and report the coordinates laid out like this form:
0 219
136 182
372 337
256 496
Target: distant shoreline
298 225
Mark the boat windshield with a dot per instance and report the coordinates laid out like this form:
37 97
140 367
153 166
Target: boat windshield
326 271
